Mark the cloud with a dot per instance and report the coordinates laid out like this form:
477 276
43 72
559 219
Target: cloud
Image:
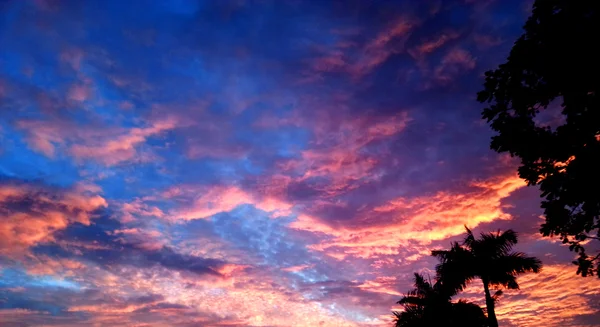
46 265
555 296
431 45
131 211
79 93
106 145
42 137
359 59
256 300
31 214
296 268
144 249
143 238
340 154
381 230
455 63
122 147
218 199
386 43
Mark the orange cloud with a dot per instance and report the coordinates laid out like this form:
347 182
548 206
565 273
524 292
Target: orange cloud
229 270
45 265
421 220
554 297
43 214
381 284
17 312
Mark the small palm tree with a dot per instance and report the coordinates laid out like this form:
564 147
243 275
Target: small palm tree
489 258
420 303
428 304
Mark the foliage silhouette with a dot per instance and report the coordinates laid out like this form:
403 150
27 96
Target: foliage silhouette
489 258
555 60
429 305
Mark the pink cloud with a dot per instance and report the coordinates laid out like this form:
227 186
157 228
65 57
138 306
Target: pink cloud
79 92
297 268
45 265
339 152
72 57
137 209
455 63
254 299
386 43
122 147
108 145
359 60
218 199
428 46
42 137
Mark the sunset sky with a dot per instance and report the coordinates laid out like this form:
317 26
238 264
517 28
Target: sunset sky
255 163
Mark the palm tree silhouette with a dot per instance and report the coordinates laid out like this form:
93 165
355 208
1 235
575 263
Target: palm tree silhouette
489 258
428 304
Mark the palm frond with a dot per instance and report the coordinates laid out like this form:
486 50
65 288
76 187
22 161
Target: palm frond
469 238
456 268
422 286
493 245
519 263
497 295
489 258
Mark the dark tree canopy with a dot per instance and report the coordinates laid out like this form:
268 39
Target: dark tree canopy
555 62
489 258
429 305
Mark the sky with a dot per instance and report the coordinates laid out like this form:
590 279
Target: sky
255 163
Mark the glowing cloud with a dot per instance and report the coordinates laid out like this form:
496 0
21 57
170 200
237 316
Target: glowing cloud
421 219
31 214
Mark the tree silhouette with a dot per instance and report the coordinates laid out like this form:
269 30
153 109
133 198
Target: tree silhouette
489 258
556 61
428 304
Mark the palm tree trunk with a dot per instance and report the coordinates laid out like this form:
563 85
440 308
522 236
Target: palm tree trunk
489 302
